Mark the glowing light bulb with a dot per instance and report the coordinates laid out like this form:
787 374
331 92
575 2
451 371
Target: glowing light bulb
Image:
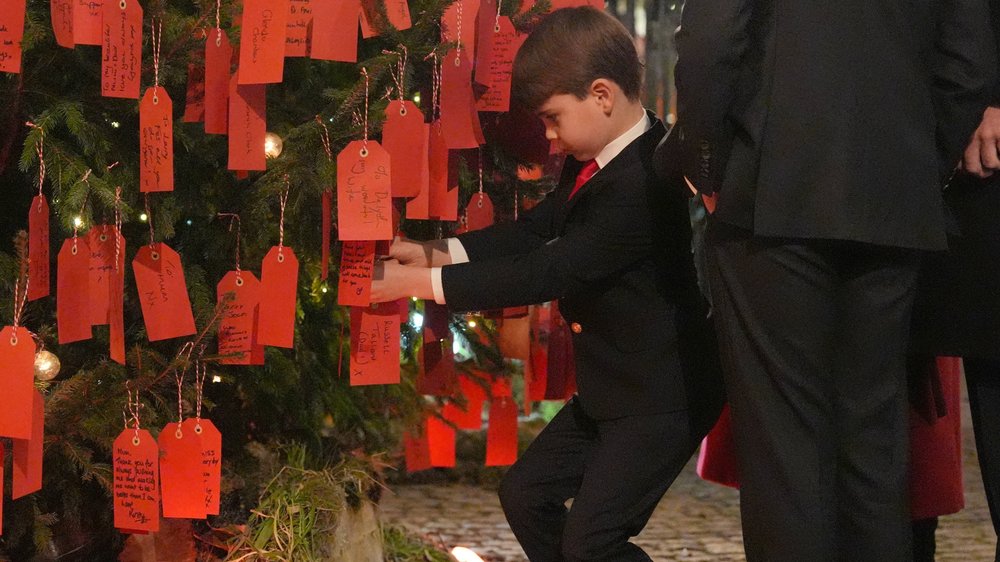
472 323
78 221
416 98
144 217
418 320
324 289
463 554
216 378
273 145
116 124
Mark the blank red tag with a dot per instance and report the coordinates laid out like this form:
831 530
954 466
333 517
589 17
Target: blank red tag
73 291
247 126
156 141
501 435
441 440
194 97
62 22
101 243
116 313
87 16
364 192
417 451
3 454
159 278
17 375
436 318
338 22
371 20
357 260
11 33
496 76
136 482
121 49
469 416
418 206
406 142
279 281
180 471
262 44
238 327
211 460
218 60
38 248
437 376
442 195
458 105
501 387
28 452
299 28
375 345
326 230
479 212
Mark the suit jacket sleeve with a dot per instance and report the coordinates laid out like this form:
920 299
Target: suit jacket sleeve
531 230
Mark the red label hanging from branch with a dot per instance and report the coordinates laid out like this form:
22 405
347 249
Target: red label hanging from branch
28 452
335 30
218 60
87 16
372 21
458 24
418 206
438 375
62 21
417 450
136 488
459 118
156 141
180 473
17 375
479 212
375 345
406 142
364 192
501 435
469 415
194 97
238 327
495 72
299 28
73 291
279 279
101 243
247 126
38 248
262 44
357 259
442 186
11 33
159 278
211 460
117 312
441 440
3 454
121 49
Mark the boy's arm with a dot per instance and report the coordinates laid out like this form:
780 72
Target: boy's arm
532 229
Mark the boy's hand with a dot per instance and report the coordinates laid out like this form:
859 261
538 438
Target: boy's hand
433 253
393 281
982 156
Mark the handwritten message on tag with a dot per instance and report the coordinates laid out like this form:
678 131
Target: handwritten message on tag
357 259
247 126
163 296
38 248
211 460
237 329
73 291
136 482
11 33
218 59
87 16
101 243
405 139
28 452
279 279
61 12
180 472
498 67
501 435
364 192
299 28
262 45
17 375
372 22
375 345
121 49
156 141
338 22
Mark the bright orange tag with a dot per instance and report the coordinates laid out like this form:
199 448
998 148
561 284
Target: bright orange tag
375 345
11 33
442 189
357 260
211 460
441 440
87 16
156 141
247 126
238 327
501 435
406 142
101 243
326 230
121 49
299 28
194 97
180 473
279 283
417 451
28 452
218 60
372 22
159 278
418 206
364 192
62 22
38 248
458 105
17 376
479 212
495 71
136 489
262 44
338 22
73 291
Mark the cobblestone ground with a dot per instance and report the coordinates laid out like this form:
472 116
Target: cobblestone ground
695 521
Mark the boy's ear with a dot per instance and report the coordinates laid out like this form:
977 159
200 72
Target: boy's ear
604 93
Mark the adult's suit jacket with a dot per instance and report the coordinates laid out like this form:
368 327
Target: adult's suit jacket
835 120
617 256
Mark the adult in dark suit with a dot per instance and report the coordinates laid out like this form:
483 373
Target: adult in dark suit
822 131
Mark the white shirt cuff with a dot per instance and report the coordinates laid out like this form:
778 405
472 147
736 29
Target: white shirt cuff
437 285
457 251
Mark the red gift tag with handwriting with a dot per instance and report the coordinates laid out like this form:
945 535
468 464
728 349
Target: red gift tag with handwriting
406 142
101 243
335 30
211 460
87 17
501 435
459 119
441 440
121 49
262 44
11 33
73 291
357 259
497 69
17 376
156 141
418 207
417 451
479 212
62 21
247 126
180 472
364 192
136 477
279 281
484 30
159 278
372 22
326 230
38 248
299 28
238 327
218 60
28 452
375 345
442 190
194 97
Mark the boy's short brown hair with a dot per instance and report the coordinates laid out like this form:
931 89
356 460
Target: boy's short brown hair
568 50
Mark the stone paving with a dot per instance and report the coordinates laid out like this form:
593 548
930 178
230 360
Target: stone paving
696 521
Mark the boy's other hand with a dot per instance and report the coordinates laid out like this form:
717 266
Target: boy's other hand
393 281
433 253
982 156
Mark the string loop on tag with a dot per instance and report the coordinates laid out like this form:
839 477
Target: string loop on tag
458 38
233 217
399 76
200 372
325 138
283 201
480 177
364 149
149 219
496 22
132 408
218 24
185 355
156 37
118 225
20 287
435 84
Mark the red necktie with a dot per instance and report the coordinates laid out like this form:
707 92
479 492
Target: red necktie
590 167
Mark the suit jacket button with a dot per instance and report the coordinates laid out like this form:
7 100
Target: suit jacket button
576 327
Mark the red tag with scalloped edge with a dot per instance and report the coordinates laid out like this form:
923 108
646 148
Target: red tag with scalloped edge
28 452
501 435
299 28
406 142
262 43
338 20
17 375
180 471
73 291
247 126
279 281
417 451
121 49
62 22
479 212
357 259
498 67
458 104
364 192
211 460
163 295
136 482
156 141
375 344
218 61
194 96
372 22
11 33
441 440
38 248
87 16
238 326
442 185
326 229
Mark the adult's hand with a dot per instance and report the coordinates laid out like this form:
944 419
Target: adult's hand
393 281
982 156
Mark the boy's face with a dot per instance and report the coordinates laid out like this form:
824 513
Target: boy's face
576 126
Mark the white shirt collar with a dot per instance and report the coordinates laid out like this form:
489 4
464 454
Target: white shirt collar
614 147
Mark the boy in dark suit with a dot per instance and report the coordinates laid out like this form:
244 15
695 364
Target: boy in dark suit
613 245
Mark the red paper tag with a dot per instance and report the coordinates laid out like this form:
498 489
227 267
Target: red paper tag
87 16
211 460
159 278
375 345
17 375
247 126
238 327
136 482
218 59
279 281
437 376
441 440
156 141
501 387
116 312
194 98
496 70
469 416
180 472
299 28
326 229
3 454
337 21
62 22
121 49
357 260
406 142
372 22
458 105
73 291
501 436
364 192
460 16
436 318
38 248
442 190
417 451
418 206
479 212
28 452
11 33
101 244
262 44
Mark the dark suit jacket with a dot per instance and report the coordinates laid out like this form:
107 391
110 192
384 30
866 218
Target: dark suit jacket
837 120
617 256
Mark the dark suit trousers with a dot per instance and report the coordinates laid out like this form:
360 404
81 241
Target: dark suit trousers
616 471
982 377
813 337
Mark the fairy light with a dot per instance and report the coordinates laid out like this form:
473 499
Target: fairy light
463 554
144 217
77 221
